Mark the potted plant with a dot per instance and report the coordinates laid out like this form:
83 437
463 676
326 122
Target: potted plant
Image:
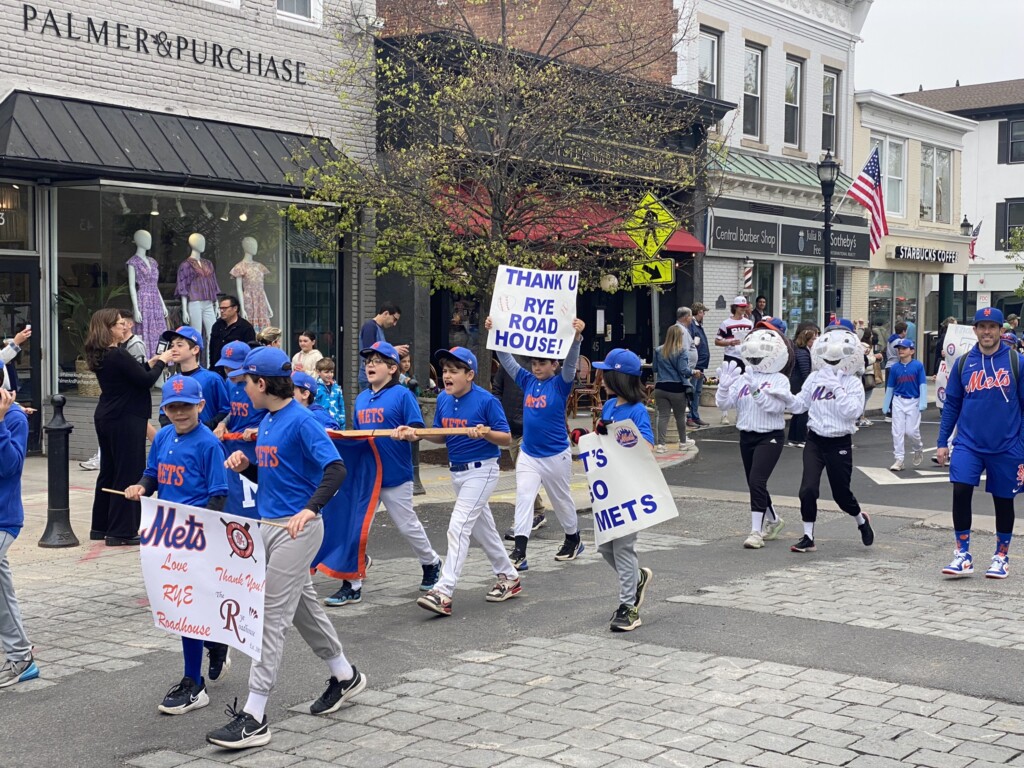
76 311
708 391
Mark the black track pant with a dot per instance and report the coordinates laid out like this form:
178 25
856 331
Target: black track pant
835 456
962 494
760 452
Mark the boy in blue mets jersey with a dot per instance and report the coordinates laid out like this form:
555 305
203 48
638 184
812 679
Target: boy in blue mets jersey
243 419
544 456
298 471
984 401
906 395
186 466
387 404
186 345
305 394
473 463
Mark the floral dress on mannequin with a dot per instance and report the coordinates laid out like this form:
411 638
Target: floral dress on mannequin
253 294
151 307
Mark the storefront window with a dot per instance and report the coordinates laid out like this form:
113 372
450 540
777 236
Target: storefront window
312 280
16 220
880 304
801 288
174 244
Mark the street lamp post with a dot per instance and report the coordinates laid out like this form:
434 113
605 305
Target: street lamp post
828 172
966 228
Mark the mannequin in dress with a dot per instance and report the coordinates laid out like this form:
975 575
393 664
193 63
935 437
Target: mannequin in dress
198 289
249 276
148 305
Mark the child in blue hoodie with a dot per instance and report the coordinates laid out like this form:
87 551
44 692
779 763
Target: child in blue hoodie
18 665
984 400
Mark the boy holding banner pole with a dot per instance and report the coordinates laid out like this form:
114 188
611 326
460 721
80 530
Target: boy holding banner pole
545 457
186 466
622 369
299 471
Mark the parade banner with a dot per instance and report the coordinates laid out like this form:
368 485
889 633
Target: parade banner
205 574
532 312
628 492
958 341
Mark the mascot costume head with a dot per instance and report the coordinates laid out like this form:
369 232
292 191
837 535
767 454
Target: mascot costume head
840 348
765 350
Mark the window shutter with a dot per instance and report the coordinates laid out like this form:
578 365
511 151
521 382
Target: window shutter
1003 150
1000 226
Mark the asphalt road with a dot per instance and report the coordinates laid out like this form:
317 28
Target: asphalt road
926 487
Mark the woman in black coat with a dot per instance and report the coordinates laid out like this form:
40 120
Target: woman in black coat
121 417
801 370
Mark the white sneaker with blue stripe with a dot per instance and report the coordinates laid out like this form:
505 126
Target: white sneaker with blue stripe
998 568
962 565
13 672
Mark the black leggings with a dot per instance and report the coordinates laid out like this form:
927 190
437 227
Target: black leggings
760 452
962 494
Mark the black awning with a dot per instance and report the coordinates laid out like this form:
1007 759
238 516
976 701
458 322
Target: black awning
71 139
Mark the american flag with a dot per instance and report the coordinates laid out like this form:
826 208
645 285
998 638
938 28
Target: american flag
867 190
974 239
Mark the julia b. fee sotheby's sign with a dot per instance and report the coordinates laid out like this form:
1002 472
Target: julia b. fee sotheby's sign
628 492
532 312
205 574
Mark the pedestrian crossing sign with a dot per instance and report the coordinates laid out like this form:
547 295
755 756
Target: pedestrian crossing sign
650 225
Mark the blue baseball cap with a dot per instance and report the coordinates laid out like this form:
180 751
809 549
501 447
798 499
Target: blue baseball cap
621 360
304 381
909 343
989 315
461 354
181 389
186 332
844 322
233 354
264 361
384 349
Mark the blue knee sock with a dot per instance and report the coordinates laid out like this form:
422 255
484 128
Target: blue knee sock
192 650
1003 543
963 540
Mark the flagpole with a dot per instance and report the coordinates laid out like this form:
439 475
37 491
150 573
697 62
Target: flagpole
835 211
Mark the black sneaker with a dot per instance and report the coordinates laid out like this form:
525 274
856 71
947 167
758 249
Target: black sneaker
220 662
242 732
806 544
518 558
337 693
431 573
866 534
184 697
572 548
646 574
626 618
510 534
539 520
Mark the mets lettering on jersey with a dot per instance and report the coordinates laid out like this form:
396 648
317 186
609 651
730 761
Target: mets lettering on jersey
369 416
981 380
532 312
617 464
823 393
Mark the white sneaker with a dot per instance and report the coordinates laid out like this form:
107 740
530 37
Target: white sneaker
770 528
897 466
92 464
661 449
754 541
918 458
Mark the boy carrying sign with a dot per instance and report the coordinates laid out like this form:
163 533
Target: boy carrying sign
186 466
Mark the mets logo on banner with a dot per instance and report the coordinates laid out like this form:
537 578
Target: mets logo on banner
239 539
178 385
626 437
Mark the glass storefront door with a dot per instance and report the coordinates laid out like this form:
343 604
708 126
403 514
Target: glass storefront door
801 295
19 306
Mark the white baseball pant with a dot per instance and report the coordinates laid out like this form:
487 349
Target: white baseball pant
397 501
553 472
471 516
906 422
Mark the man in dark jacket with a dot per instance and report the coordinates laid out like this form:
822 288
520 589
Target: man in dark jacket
230 327
700 339
504 388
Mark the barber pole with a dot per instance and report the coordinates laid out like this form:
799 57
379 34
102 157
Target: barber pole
748 276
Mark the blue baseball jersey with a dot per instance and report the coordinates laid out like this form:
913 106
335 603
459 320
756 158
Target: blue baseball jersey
323 416
476 407
544 402
906 380
242 414
390 407
292 451
613 411
215 393
188 468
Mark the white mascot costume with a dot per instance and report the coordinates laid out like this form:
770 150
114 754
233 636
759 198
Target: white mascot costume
760 395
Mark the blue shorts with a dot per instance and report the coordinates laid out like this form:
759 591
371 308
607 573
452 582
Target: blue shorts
1005 472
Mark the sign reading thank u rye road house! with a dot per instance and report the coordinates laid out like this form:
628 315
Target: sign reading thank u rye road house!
532 312
205 574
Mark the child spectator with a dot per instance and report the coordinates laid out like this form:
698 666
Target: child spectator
328 391
305 392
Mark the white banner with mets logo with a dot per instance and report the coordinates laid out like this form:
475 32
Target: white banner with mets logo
627 490
205 574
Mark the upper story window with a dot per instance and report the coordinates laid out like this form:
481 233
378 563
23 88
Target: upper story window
794 92
892 152
829 112
752 80
1017 141
300 10
936 183
708 43
1014 218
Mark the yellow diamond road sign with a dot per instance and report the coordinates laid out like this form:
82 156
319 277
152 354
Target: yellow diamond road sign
656 272
650 225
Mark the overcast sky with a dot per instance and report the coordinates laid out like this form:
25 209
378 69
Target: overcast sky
935 42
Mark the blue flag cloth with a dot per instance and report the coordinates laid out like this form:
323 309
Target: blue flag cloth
241 498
